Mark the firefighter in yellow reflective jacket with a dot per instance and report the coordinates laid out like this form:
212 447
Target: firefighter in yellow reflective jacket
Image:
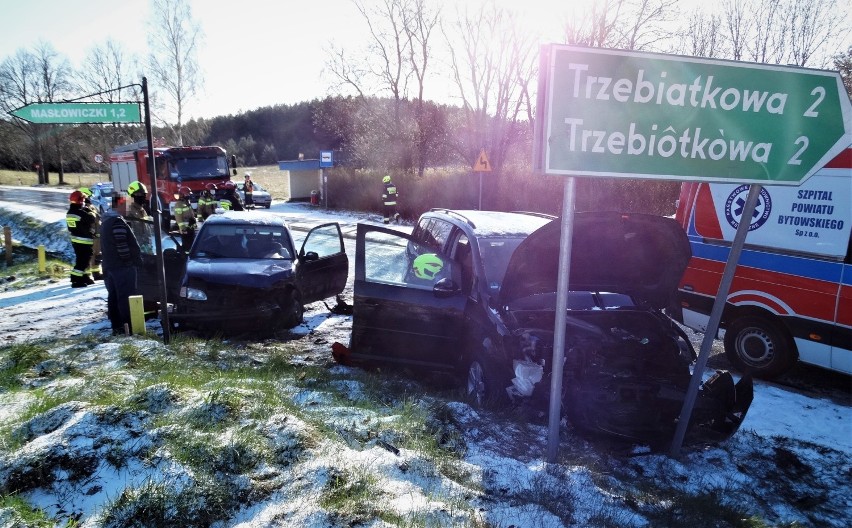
95 263
207 202
389 197
81 225
229 200
185 217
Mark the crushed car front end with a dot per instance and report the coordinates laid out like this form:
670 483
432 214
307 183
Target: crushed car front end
627 366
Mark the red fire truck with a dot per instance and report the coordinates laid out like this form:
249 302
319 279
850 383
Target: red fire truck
791 298
191 167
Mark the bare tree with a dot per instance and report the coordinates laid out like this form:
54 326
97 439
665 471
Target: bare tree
843 64
625 24
493 63
770 32
40 75
110 74
738 20
420 22
174 38
397 62
814 24
702 35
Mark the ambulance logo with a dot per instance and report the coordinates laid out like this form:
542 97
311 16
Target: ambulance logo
736 202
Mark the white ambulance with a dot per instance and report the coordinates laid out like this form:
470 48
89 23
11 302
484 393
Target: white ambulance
791 298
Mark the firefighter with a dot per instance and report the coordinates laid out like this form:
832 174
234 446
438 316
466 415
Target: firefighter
229 200
138 207
185 217
207 202
248 190
81 225
389 197
95 263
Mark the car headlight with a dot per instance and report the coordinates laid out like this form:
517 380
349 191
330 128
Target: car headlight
193 294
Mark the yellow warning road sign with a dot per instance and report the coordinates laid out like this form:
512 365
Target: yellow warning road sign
482 164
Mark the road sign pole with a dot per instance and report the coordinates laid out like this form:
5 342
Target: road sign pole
715 319
155 210
559 329
480 191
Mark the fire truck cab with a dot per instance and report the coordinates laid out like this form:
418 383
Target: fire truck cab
192 167
791 297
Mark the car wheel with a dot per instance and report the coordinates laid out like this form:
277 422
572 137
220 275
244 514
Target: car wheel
760 346
483 385
293 310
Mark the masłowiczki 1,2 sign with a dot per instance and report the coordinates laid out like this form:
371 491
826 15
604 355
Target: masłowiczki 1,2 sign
641 115
79 113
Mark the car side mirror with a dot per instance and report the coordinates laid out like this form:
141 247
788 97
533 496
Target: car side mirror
445 288
310 256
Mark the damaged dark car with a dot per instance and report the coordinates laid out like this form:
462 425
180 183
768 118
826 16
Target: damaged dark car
474 293
243 273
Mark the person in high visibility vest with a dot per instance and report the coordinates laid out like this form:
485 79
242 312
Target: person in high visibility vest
207 202
229 200
248 191
389 197
95 262
81 225
185 217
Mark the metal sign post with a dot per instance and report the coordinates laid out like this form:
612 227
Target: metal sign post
715 319
155 212
481 165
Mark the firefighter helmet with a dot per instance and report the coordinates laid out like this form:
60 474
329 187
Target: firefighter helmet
229 185
136 187
185 192
427 266
386 179
211 187
77 197
86 191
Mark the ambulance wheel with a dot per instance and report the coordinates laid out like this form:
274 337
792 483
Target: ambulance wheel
759 345
483 386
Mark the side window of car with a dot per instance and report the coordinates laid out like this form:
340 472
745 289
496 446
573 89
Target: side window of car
397 261
439 232
323 240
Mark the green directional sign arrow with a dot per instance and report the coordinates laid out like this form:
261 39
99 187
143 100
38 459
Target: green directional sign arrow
641 115
77 113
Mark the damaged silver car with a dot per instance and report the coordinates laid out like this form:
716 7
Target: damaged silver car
474 293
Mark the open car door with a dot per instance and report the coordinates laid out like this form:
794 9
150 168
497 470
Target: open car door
174 261
322 267
408 306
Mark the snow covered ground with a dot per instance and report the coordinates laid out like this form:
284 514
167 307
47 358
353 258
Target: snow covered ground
789 463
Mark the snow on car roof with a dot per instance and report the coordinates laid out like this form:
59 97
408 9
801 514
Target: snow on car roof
246 217
499 224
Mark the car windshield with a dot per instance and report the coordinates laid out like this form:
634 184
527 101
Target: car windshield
198 168
243 241
495 254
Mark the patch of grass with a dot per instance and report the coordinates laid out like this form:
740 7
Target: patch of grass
17 359
130 354
18 512
703 510
200 502
350 496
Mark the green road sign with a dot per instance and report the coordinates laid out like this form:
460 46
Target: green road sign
68 113
640 115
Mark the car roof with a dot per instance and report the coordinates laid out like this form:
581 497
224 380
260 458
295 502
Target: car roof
246 217
488 224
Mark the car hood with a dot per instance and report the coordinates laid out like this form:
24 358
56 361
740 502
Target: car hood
261 273
641 255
